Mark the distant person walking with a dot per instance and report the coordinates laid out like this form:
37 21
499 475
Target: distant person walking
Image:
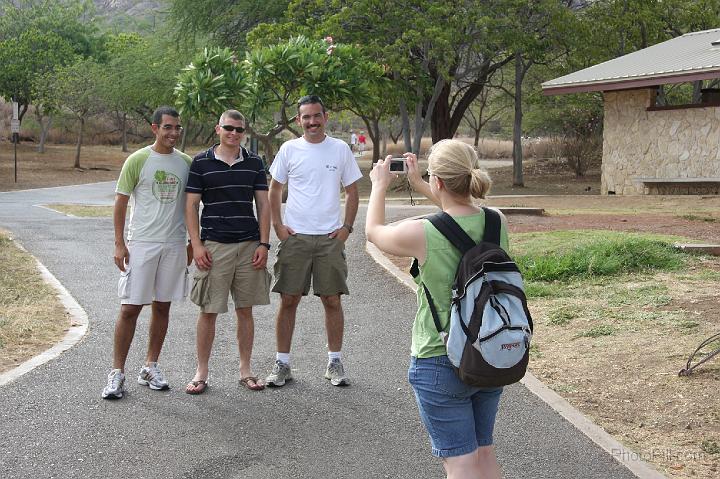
361 143
353 141
153 263
312 235
231 251
460 419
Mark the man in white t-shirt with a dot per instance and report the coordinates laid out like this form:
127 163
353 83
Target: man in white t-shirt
312 235
153 263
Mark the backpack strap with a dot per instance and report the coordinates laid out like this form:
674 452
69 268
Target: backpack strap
457 236
433 310
452 231
492 226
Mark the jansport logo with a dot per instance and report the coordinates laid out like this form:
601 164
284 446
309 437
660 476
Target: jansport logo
510 346
166 186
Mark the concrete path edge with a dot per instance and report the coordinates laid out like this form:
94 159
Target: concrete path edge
631 460
76 331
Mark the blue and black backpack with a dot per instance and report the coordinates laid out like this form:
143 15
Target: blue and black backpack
488 341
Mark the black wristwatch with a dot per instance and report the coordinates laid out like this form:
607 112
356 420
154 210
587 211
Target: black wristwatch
348 227
267 245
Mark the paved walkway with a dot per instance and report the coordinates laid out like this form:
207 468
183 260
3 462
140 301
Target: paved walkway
54 424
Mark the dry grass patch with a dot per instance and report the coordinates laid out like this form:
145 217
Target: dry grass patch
613 348
31 316
82 211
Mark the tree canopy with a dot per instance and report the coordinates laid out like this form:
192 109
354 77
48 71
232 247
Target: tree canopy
268 82
35 37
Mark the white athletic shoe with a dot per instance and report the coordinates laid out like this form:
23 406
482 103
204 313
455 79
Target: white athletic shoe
115 385
152 377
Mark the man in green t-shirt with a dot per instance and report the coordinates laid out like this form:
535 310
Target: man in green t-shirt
153 263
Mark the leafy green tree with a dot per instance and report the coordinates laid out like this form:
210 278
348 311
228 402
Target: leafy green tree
439 54
267 84
77 89
536 32
211 84
38 35
139 76
223 23
282 73
24 58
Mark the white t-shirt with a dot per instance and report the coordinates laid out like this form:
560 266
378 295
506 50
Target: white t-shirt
156 184
314 173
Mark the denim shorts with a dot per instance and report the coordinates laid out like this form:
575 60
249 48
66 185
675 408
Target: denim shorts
459 418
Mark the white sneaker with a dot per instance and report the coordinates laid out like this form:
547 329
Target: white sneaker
115 385
336 373
281 373
152 377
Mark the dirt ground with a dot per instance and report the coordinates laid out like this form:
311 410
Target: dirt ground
627 384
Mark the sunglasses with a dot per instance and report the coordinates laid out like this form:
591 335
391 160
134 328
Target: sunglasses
239 129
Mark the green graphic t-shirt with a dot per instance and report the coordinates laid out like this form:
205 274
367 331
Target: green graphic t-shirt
155 183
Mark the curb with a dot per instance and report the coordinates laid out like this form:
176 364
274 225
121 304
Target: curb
595 433
77 330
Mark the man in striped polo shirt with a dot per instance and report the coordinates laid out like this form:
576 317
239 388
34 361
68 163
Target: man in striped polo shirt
231 251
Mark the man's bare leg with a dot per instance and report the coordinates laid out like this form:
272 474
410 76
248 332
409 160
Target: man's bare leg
124 333
159 321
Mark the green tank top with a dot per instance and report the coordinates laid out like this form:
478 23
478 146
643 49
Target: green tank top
438 274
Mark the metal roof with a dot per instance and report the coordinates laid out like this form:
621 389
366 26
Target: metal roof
690 57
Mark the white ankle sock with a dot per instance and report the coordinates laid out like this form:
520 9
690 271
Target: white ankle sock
334 355
283 358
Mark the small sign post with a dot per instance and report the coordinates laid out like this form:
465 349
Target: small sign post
15 130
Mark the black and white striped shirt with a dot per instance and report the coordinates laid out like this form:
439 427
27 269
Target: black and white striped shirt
227 193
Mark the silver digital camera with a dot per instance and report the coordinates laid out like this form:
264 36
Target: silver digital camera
398 165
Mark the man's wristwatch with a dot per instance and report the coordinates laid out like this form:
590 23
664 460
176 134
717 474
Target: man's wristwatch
267 245
348 227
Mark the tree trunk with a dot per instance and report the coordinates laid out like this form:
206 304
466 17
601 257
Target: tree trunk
44 128
517 124
123 126
697 91
373 128
383 148
440 125
477 137
267 147
420 121
22 109
405 125
79 143
186 132
376 139
418 133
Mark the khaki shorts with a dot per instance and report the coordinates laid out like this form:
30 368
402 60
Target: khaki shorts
231 272
302 258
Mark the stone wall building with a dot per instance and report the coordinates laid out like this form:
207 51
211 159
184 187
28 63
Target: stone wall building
650 148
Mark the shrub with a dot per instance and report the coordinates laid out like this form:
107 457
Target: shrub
582 152
606 255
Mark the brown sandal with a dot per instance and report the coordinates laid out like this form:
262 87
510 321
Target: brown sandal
196 387
256 385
